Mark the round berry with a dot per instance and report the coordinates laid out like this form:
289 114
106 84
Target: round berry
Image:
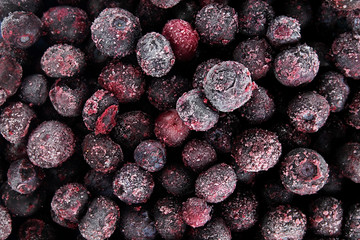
215 229
283 30
34 89
23 177
198 155
150 155
196 212
177 180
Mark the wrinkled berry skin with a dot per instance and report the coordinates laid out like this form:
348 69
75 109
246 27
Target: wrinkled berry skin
348 158
137 224
304 171
308 112
283 30
21 29
217 24
296 66
216 184
23 177
196 212
132 184
194 112
154 54
198 155
6 223
15 120
102 153
284 222
68 96
125 81
352 116
62 60
115 32
228 86
256 150
150 155
100 111
50 144
215 229
34 89
182 37
100 219
346 54
64 24
9 83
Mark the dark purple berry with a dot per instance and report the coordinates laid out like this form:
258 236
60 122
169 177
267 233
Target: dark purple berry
308 112
125 81
36 229
348 159
34 89
217 24
50 144
99 183
18 54
216 184
21 29
5 223
352 223
23 177
177 180
155 55
8 6
256 150
196 212
15 121
275 193
283 30
213 230
62 60
115 32
100 220
150 155
198 155
99 112
290 137
352 112
132 184
202 70
137 224
9 83
304 171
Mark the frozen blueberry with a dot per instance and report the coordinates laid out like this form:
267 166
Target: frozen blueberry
196 212
155 55
150 155
214 229
9 83
34 89
137 224
23 177
352 112
283 30
50 144
202 70
8 6
177 180
99 183
198 155
115 32
5 223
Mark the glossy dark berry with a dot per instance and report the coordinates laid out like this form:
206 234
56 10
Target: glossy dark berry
283 222
198 155
5 223
165 3
150 155
352 223
125 81
308 112
214 229
15 121
64 24
217 24
334 88
347 158
21 29
352 112
100 220
115 32
296 66
283 30
36 229
254 17
23 177
256 150
132 128
202 70
194 112
346 54
228 86
50 144
34 89
325 216
255 54
62 60
304 171
68 96
102 153
137 224
216 184
170 129
132 184
9 83
154 54
240 211
164 92
99 112
99 183
70 201
182 37
196 212
260 108
177 180
168 219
